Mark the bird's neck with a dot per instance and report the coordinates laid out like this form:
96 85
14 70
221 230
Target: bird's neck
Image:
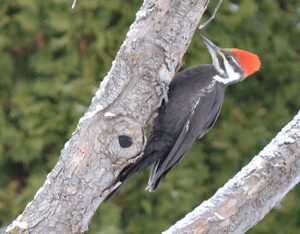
227 75
226 81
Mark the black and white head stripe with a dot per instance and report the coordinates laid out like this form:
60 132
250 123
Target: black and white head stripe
231 70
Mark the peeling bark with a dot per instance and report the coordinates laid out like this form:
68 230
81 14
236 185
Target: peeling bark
245 199
123 105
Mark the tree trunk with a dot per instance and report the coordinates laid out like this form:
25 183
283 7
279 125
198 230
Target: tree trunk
253 192
111 134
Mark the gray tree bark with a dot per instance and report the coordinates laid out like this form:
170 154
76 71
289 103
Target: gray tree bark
253 192
122 106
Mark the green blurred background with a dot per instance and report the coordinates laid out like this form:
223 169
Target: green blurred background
52 60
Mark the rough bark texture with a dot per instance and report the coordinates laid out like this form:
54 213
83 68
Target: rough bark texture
253 192
123 105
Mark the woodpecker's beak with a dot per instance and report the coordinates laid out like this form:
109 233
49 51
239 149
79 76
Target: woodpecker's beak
215 52
210 45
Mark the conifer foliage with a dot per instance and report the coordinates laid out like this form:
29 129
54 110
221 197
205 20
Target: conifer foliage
52 60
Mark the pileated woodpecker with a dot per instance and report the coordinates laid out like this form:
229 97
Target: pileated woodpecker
195 99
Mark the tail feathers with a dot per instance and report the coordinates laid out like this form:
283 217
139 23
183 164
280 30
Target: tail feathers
155 180
139 166
164 165
112 193
158 146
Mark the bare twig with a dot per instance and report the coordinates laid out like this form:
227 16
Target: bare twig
74 3
201 26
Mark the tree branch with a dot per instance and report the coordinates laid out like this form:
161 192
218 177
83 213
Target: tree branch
122 106
253 192
74 4
201 26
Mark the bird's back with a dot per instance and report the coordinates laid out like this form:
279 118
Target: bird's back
184 92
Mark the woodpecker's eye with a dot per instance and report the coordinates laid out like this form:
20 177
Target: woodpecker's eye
228 58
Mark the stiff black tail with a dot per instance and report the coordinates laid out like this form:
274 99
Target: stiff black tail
140 165
158 145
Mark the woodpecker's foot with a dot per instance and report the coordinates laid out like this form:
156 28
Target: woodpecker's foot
153 116
162 89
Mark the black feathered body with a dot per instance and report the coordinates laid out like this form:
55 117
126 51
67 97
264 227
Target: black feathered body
194 103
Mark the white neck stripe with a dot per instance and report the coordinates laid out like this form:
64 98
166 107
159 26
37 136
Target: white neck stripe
232 75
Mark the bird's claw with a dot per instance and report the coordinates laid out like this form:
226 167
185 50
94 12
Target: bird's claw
163 87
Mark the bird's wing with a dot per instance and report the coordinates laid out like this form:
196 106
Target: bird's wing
163 166
211 104
201 119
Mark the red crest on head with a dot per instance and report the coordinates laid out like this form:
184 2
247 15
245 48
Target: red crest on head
249 61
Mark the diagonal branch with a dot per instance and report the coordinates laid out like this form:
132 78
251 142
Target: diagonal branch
111 133
253 192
